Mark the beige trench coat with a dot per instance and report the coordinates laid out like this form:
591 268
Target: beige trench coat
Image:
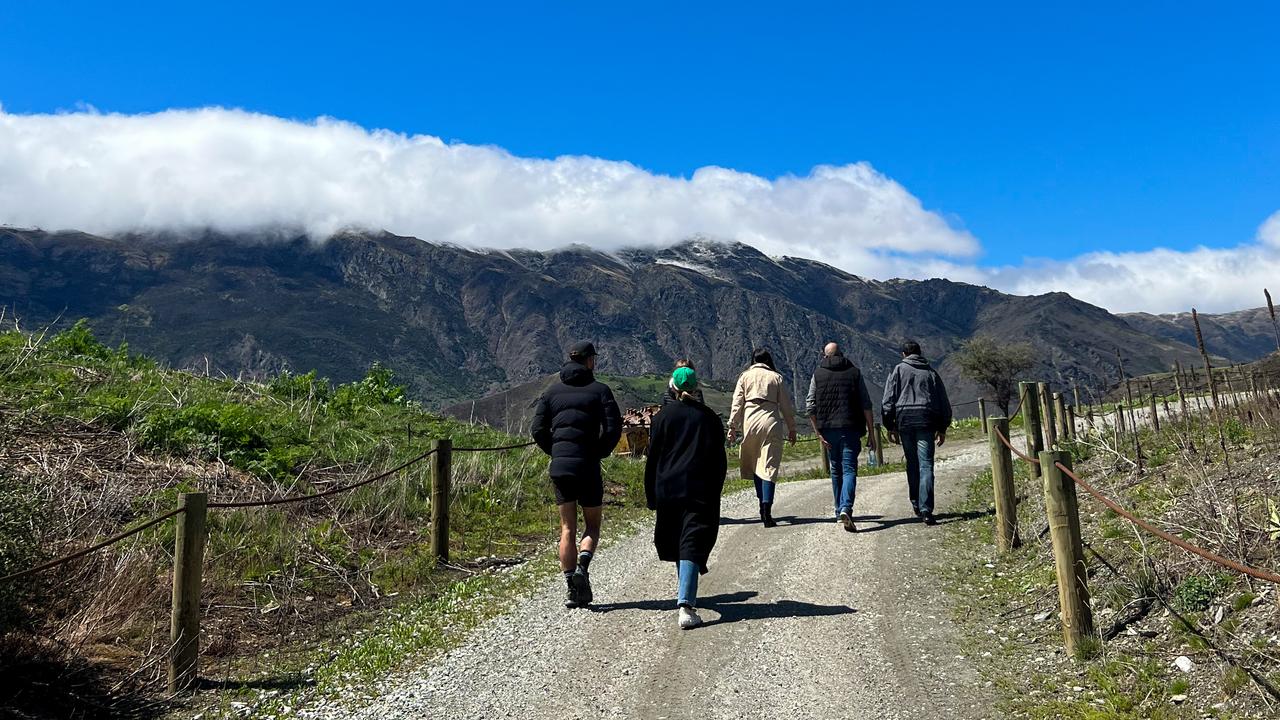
763 413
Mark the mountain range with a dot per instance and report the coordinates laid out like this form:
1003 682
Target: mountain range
457 324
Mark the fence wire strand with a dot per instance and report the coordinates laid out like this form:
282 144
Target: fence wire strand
89 550
1167 537
244 504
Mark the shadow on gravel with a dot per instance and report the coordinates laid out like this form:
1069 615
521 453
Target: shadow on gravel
733 607
784 520
942 518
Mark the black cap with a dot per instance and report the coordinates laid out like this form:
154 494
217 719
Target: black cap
582 350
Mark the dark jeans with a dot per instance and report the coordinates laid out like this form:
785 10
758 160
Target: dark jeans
918 447
843 451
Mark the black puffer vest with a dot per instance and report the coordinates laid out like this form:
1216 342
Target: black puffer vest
837 403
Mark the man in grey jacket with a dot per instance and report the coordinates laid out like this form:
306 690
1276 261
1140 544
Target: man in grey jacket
916 411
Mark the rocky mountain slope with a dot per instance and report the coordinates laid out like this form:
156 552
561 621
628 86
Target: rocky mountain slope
458 324
1243 336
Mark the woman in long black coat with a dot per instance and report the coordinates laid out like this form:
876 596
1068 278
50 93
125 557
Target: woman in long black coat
683 479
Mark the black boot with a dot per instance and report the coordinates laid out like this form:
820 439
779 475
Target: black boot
766 515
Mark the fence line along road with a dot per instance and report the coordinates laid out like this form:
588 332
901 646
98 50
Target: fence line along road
1064 523
189 550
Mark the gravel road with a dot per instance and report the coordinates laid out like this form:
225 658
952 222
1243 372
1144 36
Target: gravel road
802 621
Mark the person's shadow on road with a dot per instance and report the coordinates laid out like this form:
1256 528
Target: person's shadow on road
733 607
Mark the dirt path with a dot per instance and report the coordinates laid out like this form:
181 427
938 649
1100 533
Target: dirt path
803 621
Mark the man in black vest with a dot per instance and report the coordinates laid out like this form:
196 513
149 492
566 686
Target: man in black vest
578 424
839 409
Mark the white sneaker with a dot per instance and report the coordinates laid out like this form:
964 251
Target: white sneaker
689 618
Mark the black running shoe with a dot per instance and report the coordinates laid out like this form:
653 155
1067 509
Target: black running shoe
582 583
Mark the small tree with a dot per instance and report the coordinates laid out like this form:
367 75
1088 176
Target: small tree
997 366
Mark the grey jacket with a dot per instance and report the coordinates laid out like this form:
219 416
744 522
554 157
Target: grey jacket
915 397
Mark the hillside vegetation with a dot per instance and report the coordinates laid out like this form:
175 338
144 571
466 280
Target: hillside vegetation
1178 636
97 439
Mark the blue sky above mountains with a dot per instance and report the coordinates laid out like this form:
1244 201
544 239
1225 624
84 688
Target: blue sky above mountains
1130 157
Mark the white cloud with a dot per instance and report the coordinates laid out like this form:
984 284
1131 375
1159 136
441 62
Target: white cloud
233 170
1159 280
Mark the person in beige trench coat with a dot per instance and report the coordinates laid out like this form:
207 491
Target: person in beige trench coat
763 412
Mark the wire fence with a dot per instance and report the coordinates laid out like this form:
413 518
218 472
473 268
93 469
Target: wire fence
1143 524
239 504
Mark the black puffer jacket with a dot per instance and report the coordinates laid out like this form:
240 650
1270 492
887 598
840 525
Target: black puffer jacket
687 462
577 423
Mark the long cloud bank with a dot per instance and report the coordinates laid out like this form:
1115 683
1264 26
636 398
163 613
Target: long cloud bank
233 170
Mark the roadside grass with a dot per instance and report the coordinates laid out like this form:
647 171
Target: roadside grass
312 594
1160 602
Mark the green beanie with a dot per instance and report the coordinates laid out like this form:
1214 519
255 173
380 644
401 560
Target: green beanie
684 379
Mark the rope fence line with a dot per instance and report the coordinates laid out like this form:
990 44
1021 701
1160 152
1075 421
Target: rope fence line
1167 537
1061 482
89 550
244 504
1015 450
518 446
325 493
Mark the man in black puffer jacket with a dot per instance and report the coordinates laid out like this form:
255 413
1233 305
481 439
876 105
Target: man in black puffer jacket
578 424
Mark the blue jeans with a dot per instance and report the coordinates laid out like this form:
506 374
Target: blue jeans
764 489
688 589
918 447
844 448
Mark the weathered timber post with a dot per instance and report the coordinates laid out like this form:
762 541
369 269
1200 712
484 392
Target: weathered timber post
879 445
1060 416
188 572
1030 403
1071 419
441 470
1177 385
1063 515
982 413
1155 419
1208 367
1047 425
1002 486
1271 308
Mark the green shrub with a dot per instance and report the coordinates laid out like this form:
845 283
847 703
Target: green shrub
1197 592
78 341
375 389
293 387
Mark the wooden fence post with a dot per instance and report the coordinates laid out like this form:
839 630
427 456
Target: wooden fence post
1002 485
880 440
441 468
188 572
1030 404
1060 416
1048 426
1063 515
1071 421
982 413
1155 417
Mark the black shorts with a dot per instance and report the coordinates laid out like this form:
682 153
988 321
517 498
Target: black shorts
586 491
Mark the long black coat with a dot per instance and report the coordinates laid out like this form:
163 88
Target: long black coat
683 480
577 423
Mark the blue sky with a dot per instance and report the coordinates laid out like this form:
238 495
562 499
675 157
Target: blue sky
1043 131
